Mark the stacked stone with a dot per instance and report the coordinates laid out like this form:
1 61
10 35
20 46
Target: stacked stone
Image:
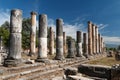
33 34
51 42
71 49
59 40
14 55
90 50
64 43
97 42
85 45
79 44
93 39
42 38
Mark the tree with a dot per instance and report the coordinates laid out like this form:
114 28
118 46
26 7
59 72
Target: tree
4 32
26 27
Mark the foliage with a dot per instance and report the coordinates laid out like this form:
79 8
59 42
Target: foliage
26 24
4 32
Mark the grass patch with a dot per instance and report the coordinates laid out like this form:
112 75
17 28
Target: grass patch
108 61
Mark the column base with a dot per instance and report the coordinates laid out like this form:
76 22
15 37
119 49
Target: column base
12 62
70 56
43 60
59 58
31 54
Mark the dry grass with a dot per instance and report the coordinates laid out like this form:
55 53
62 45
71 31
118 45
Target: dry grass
108 61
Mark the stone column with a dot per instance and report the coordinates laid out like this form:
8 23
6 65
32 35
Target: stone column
59 40
42 38
64 43
93 39
79 44
51 42
85 45
71 49
14 56
97 41
33 34
101 44
90 50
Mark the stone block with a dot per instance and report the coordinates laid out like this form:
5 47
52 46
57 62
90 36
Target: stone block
70 71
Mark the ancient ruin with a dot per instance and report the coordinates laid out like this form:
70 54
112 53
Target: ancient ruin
14 56
59 40
33 34
79 44
65 61
42 36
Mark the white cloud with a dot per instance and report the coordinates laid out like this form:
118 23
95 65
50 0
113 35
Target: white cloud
111 40
69 29
102 26
4 15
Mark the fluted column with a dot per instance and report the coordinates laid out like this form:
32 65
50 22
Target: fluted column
14 55
93 39
97 41
90 50
33 34
64 43
51 42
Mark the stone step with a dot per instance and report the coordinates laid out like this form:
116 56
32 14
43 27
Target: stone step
24 72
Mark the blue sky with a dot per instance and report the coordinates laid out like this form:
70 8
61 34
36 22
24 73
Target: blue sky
75 13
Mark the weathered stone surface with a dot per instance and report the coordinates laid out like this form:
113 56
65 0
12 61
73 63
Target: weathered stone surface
71 77
14 56
71 49
64 43
59 40
51 41
93 39
97 42
70 71
117 55
79 44
95 70
90 50
85 45
42 36
33 34
110 54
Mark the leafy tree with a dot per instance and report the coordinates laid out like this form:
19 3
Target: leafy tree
4 32
26 27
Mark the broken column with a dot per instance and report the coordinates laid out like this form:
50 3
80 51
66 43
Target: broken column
90 50
93 39
59 40
64 43
51 42
42 38
97 42
14 56
33 34
79 44
71 49
85 45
